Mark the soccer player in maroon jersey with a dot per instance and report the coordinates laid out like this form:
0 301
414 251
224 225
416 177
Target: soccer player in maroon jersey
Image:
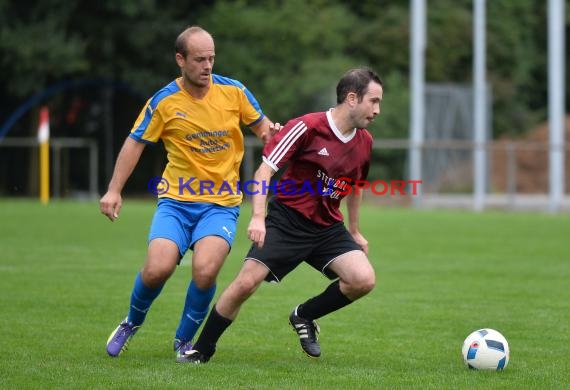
332 148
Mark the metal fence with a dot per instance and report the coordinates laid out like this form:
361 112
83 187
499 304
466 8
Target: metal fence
58 146
517 171
516 174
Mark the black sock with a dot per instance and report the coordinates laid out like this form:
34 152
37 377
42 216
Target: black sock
328 301
214 327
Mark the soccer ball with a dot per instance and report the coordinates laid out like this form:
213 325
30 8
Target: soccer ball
486 349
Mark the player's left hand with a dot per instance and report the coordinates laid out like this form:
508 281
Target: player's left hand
360 240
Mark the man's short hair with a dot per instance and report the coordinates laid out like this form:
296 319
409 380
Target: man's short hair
356 80
181 43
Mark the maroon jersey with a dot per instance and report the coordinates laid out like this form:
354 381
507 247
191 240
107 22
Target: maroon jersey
323 164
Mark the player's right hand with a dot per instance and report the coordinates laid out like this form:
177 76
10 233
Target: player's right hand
110 205
256 231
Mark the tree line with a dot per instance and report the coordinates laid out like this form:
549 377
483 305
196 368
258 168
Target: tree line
289 53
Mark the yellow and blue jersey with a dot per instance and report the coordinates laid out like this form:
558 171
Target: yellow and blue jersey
202 138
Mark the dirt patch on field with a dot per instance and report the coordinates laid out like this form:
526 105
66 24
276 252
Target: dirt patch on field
522 164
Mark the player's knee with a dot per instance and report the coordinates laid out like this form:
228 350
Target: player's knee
361 284
154 277
206 272
205 277
368 283
245 286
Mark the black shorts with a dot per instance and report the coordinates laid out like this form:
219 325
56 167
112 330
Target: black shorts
291 239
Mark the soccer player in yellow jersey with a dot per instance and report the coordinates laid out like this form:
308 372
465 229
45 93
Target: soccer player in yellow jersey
197 116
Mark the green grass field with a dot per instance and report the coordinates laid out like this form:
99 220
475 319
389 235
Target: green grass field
66 276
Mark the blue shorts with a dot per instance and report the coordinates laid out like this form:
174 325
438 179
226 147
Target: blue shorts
187 222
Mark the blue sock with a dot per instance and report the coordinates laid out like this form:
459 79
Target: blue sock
195 310
141 299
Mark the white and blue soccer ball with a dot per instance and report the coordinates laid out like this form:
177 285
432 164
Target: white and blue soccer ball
486 349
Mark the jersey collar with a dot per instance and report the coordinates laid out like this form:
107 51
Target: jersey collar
336 131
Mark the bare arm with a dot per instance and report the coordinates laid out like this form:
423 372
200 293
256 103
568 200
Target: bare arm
256 228
353 201
110 204
265 129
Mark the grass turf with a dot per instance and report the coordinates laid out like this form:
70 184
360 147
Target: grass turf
66 275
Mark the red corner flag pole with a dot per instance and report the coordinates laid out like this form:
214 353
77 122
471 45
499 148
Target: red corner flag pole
43 140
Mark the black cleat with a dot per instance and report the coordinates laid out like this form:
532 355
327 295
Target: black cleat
193 357
308 334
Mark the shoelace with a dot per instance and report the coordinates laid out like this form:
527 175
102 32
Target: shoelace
124 329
